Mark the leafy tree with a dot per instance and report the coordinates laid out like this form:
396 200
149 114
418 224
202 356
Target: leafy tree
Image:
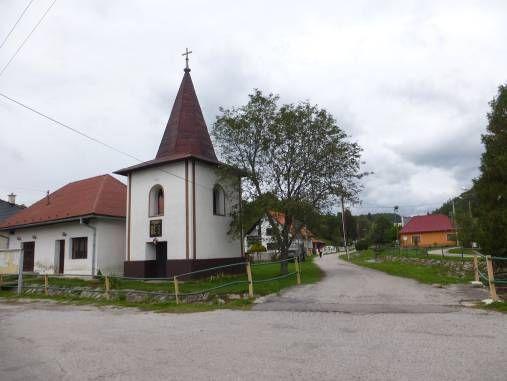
467 229
382 231
350 226
295 153
491 186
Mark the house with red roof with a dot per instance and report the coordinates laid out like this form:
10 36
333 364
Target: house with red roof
303 240
428 230
78 229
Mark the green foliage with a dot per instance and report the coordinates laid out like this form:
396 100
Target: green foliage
382 231
423 269
491 186
296 158
256 247
362 244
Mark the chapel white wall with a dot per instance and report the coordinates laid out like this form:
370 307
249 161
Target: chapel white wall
212 238
171 178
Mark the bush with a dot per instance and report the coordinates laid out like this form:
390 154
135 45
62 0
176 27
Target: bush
257 248
362 245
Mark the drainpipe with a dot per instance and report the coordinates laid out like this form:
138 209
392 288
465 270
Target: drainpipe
87 224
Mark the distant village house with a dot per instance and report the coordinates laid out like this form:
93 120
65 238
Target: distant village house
428 230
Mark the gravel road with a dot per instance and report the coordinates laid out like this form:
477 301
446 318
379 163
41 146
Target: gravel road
357 324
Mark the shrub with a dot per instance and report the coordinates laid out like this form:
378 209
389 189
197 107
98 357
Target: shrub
362 245
256 248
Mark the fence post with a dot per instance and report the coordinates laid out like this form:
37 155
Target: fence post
106 280
176 290
491 278
296 264
250 282
1 280
46 284
20 272
476 268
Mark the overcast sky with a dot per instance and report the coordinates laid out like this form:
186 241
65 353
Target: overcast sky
409 80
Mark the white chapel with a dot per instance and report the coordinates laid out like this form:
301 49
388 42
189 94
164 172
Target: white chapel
179 204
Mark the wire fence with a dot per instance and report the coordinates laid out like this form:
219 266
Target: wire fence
484 269
177 287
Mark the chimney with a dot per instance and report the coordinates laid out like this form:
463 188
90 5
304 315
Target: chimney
11 198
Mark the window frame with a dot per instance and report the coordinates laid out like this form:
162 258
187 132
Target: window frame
76 242
216 211
153 201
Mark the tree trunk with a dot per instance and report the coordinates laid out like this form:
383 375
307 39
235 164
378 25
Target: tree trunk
284 266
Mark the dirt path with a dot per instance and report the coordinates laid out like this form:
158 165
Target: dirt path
350 288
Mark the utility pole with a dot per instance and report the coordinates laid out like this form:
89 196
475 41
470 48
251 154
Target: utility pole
455 222
344 232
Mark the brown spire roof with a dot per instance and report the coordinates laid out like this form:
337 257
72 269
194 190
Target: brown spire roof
186 134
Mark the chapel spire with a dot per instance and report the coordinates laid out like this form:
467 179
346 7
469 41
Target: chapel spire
186 133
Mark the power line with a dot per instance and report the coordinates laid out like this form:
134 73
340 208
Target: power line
27 38
66 126
16 23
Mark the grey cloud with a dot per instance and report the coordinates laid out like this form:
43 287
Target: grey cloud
409 81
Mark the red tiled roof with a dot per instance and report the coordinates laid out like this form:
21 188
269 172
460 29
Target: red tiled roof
280 218
429 223
100 195
186 134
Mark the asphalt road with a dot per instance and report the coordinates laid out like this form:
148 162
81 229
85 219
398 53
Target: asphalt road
357 324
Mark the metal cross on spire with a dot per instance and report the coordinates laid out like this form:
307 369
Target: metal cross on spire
187 52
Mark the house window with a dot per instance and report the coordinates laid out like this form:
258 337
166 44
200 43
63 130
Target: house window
416 239
451 237
269 231
271 246
156 207
79 248
218 201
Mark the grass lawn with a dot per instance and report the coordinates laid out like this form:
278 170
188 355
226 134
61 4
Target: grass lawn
310 273
496 306
416 266
466 250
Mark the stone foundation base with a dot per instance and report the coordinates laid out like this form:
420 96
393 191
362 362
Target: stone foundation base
148 269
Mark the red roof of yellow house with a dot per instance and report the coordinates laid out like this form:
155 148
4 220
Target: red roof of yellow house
428 223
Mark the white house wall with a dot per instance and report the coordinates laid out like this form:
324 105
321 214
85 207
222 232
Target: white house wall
45 252
266 239
110 245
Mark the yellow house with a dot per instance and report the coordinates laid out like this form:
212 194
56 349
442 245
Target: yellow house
429 230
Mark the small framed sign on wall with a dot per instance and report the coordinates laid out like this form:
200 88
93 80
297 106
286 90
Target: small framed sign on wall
155 228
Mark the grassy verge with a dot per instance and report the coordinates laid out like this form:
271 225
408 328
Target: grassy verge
458 250
170 306
496 306
416 266
310 273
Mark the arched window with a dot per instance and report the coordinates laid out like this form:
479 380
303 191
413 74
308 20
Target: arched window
218 201
156 201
